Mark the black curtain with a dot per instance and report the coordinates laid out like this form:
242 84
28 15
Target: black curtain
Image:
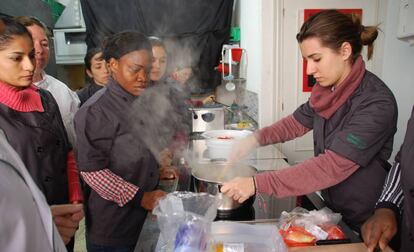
190 28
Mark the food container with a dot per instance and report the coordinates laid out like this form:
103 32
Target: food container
247 237
220 142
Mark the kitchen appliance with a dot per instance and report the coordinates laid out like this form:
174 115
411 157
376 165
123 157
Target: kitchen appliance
209 177
207 117
69 34
233 65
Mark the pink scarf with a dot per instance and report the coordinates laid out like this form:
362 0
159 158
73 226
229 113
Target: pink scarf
24 100
326 102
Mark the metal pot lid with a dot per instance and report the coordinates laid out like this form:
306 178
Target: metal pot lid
212 107
220 172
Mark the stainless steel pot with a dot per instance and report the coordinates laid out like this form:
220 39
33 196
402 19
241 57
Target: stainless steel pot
209 177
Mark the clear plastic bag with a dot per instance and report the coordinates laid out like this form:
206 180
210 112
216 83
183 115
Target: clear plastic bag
302 227
185 219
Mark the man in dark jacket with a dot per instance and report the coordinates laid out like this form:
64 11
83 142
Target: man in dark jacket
397 199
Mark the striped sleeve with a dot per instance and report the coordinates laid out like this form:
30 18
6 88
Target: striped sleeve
110 186
392 193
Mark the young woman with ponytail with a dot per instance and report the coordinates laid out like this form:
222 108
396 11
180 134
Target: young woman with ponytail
352 113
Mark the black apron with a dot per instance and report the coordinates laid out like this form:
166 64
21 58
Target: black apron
41 141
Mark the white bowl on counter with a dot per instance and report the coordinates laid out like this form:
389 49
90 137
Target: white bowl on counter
220 142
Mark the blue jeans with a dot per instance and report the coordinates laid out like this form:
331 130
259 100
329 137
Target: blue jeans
101 248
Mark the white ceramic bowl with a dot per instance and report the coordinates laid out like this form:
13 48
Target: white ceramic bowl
220 142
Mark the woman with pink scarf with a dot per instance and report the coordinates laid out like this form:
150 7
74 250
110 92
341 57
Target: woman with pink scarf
32 124
353 115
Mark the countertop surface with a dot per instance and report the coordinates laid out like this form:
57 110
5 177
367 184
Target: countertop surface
353 247
264 159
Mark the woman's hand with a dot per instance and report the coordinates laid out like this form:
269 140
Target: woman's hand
167 170
168 173
239 189
242 148
379 229
209 99
150 199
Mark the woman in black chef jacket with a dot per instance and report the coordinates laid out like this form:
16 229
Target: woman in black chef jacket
352 114
97 72
31 121
119 169
159 61
162 104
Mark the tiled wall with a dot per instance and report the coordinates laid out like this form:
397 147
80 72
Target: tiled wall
249 99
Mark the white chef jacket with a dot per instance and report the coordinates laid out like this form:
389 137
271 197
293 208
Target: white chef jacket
66 99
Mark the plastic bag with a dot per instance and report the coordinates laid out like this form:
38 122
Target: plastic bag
185 219
301 227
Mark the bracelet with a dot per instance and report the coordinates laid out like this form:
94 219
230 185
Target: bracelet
254 184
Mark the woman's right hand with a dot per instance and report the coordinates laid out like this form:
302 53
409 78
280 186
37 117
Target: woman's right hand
242 148
150 199
239 189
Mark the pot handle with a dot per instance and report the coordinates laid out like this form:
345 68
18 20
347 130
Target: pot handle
205 135
219 187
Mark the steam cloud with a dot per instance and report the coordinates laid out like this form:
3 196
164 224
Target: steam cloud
158 115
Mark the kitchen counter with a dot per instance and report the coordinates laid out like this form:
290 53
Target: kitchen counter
265 159
353 247
269 153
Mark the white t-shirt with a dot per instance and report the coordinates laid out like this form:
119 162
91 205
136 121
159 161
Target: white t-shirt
67 100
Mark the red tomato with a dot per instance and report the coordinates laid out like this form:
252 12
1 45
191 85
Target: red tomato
296 236
225 137
334 232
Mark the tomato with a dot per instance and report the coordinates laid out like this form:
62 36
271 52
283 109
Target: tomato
225 137
296 236
334 232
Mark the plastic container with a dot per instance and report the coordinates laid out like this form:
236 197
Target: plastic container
247 237
236 54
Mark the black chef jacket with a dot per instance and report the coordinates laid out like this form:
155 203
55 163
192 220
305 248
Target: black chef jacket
105 140
361 130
